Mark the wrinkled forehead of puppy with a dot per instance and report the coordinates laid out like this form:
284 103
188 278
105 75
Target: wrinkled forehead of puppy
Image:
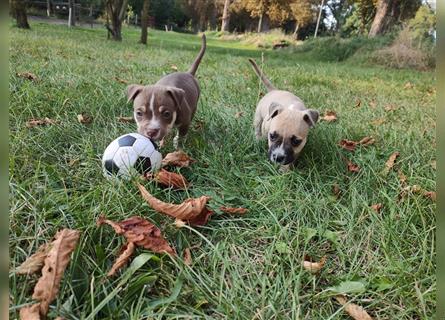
290 122
151 96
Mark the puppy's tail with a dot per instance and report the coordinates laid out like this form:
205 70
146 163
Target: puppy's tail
195 64
262 76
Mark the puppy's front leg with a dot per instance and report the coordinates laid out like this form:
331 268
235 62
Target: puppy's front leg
258 123
179 139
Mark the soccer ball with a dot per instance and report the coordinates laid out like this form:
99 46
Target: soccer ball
131 154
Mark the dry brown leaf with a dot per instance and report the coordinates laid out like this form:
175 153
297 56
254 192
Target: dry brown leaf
187 257
179 223
174 67
121 80
358 103
347 144
143 233
56 261
402 178
433 164
378 121
122 260
430 194
408 85
366 141
84 118
31 123
125 119
169 179
177 159
30 312
391 107
377 207
391 161
329 116
233 210
35 262
355 311
239 114
314 267
352 167
193 211
27 76
372 104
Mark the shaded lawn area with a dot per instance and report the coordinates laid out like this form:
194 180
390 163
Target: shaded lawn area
244 267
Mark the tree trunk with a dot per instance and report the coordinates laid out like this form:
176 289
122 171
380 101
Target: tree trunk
225 17
48 8
19 12
380 20
295 34
260 23
319 17
116 12
71 13
144 21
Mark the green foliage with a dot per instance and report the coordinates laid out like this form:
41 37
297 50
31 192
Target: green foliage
422 25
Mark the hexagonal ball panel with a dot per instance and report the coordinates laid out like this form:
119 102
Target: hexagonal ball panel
126 141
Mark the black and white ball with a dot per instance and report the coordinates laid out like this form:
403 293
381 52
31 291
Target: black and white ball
131 154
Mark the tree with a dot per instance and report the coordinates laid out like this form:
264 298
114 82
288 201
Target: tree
18 10
116 12
225 17
381 17
144 21
71 13
302 13
277 11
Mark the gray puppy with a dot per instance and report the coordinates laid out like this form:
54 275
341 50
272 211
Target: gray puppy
282 117
170 102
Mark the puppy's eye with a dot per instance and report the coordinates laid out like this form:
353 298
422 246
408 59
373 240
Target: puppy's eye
295 141
273 136
166 114
138 113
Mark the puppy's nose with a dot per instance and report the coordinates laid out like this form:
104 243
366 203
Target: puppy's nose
279 159
152 133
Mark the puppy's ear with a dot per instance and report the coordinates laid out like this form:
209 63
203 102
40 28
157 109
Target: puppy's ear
311 117
274 109
177 95
133 90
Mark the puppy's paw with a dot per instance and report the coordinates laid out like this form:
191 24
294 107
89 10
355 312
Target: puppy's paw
285 168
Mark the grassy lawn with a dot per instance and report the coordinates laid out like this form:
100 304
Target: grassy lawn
244 267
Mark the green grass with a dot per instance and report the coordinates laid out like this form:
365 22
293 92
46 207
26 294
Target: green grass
244 267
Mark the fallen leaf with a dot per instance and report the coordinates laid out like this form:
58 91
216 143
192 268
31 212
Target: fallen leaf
179 223
377 207
174 67
187 257
408 85
122 260
30 312
372 104
390 107
31 123
329 116
233 210
27 76
402 178
336 190
358 103
347 144
366 141
378 122
84 118
433 164
143 233
35 262
121 80
194 211
239 114
178 159
56 261
73 162
352 167
355 311
391 161
430 194
169 179
125 119
314 267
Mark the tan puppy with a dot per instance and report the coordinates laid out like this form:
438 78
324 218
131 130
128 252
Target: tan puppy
282 117
170 102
